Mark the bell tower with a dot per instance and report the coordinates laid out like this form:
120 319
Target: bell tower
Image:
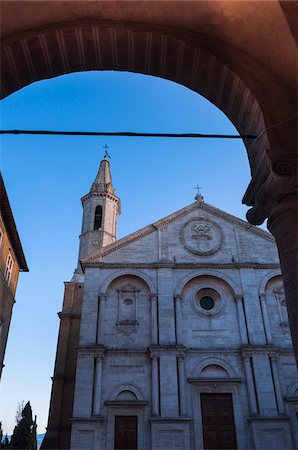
101 208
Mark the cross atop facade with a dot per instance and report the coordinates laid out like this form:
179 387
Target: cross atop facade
106 155
198 188
199 197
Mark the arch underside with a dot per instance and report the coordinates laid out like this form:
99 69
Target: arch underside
83 46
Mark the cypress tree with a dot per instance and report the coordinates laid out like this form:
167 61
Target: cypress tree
5 443
24 434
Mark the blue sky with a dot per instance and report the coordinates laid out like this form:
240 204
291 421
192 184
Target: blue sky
45 178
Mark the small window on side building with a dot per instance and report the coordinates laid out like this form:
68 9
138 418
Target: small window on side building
8 268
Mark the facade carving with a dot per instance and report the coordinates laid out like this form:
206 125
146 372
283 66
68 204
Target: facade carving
201 236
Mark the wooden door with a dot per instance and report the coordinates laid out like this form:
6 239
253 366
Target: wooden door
218 421
126 432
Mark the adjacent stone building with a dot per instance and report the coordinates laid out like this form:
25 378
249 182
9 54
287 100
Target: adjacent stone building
12 261
174 337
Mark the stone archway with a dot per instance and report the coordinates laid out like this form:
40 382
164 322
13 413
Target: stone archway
212 48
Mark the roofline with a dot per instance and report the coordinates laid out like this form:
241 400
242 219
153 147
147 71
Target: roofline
173 216
11 228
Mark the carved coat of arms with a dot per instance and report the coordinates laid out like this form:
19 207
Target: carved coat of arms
201 236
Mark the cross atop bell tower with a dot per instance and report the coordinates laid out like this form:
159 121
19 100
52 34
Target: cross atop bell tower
101 210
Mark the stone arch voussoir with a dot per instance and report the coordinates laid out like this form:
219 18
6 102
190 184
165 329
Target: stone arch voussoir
125 387
164 52
132 272
235 288
217 362
267 278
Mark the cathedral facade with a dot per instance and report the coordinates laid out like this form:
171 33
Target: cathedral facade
174 337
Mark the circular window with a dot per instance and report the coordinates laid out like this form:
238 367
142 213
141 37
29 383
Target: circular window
207 303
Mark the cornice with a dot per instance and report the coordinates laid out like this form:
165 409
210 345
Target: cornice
280 418
236 221
96 350
214 380
87 419
86 198
126 403
162 223
179 266
68 315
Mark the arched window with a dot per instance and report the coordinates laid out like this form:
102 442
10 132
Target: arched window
98 217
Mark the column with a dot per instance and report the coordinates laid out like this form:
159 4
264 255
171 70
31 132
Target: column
166 314
279 399
154 336
283 224
250 384
241 320
252 307
97 385
182 385
155 384
178 318
266 318
101 319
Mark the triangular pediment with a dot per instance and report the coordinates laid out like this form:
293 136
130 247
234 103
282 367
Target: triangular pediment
180 215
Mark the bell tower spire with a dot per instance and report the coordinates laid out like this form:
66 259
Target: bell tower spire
101 209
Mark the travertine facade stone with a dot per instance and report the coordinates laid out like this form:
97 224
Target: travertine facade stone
151 347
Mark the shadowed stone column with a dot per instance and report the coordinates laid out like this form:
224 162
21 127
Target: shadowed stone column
166 317
178 317
266 318
276 197
182 392
279 399
283 224
97 385
250 384
154 337
241 320
155 383
101 318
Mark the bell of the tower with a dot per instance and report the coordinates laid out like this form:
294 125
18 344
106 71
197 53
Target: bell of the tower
101 208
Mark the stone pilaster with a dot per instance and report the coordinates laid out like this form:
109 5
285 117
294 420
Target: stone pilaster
266 318
101 319
182 385
250 384
166 307
241 320
83 395
178 319
154 330
255 329
278 394
155 383
97 384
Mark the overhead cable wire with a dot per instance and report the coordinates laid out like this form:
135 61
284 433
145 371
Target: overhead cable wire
129 134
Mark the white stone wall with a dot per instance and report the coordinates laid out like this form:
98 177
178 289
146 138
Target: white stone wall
147 347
